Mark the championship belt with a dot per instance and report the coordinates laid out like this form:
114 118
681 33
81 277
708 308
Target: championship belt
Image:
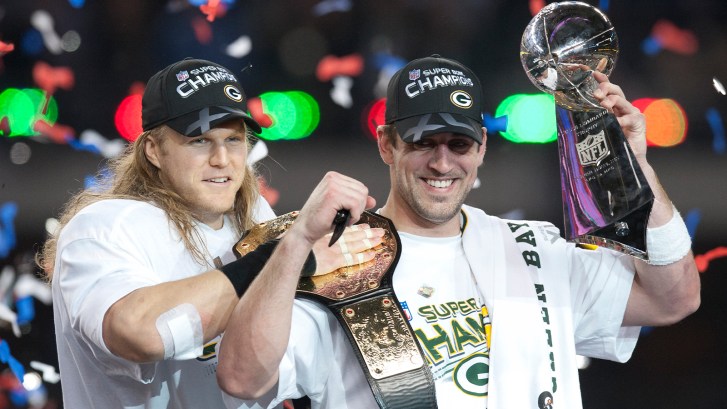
362 298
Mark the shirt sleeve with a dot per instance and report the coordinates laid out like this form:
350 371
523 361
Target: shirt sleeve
91 277
263 211
601 282
306 365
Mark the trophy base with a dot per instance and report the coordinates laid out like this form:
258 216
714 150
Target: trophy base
627 235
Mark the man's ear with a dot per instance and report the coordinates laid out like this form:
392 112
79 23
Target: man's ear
483 147
385 145
152 150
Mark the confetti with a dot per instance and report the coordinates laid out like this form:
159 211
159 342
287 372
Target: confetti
341 92
8 211
331 66
107 148
42 21
202 30
718 86
240 47
703 260
270 194
719 144
692 219
8 315
255 105
331 6
28 285
5 48
212 9
258 152
48 372
666 35
57 133
13 363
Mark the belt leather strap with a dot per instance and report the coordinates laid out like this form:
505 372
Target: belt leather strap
362 298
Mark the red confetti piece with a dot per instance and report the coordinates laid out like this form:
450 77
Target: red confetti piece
57 133
50 78
270 194
212 9
5 48
675 39
536 6
5 126
255 105
703 260
202 30
331 66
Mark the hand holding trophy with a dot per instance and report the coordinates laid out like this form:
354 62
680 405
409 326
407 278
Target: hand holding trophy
606 198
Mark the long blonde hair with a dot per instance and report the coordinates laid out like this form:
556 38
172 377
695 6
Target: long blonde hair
133 176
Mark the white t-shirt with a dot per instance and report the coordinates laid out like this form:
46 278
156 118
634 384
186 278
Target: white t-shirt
319 361
108 250
435 286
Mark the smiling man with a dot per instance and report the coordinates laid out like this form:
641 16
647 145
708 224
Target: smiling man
142 271
499 308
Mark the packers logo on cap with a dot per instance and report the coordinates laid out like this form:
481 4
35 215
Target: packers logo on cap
461 99
233 93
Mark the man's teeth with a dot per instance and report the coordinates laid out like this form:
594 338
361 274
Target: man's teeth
439 183
219 180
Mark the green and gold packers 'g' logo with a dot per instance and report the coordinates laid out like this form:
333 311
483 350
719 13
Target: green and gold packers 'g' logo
233 93
593 149
471 374
208 352
461 99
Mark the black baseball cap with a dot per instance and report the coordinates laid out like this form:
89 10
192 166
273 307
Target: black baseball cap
192 96
432 95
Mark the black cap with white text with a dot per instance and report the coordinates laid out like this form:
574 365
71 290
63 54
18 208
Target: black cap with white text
432 95
192 96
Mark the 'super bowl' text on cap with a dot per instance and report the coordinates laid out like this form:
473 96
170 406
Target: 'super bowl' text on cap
192 96
432 95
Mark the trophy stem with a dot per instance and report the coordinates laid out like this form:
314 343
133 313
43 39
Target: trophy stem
606 198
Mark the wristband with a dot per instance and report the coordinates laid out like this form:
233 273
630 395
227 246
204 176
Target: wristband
243 271
669 243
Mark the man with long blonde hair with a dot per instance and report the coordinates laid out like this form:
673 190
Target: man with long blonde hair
142 270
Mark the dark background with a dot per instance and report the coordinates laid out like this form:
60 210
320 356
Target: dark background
126 41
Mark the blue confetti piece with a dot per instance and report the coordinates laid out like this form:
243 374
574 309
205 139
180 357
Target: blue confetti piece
7 228
80 146
19 397
25 309
692 221
494 124
32 42
330 6
388 61
13 363
77 4
17 368
4 351
603 5
650 46
718 139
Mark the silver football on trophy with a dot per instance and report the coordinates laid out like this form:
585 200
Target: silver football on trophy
560 47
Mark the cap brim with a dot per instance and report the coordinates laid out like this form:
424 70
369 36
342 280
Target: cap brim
415 128
196 123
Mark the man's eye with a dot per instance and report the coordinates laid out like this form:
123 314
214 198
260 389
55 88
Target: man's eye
460 145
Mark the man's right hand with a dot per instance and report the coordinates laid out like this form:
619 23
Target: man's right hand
334 192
